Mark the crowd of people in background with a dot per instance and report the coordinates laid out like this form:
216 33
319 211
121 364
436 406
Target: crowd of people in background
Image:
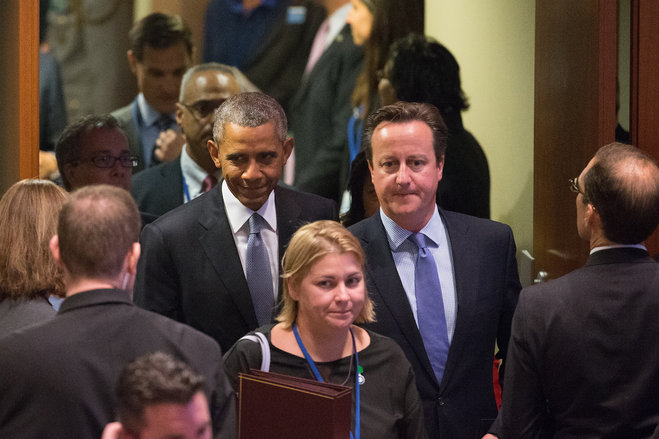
309 184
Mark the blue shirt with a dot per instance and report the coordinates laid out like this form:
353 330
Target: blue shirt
405 253
233 37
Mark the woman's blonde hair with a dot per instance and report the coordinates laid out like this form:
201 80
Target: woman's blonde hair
310 243
28 219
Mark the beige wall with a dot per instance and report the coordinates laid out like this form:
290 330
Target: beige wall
494 45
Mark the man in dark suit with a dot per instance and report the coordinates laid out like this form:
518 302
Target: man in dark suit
446 311
160 52
58 377
583 358
320 110
201 262
161 188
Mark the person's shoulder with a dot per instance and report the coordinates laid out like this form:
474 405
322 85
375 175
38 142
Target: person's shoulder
314 205
383 345
364 227
123 114
180 334
473 223
187 214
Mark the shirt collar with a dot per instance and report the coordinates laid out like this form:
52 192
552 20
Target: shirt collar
149 114
396 235
238 214
336 22
606 247
193 173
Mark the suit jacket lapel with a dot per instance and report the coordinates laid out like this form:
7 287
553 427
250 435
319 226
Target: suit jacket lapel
220 247
384 275
288 214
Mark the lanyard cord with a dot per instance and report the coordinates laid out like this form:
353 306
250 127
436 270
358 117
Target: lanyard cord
312 364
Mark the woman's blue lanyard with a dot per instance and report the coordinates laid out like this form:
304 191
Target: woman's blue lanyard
312 364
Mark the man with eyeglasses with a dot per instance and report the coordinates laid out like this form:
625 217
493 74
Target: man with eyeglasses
583 358
162 188
94 150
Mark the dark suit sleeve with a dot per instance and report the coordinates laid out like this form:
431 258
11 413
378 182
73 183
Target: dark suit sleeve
523 413
156 285
511 295
223 403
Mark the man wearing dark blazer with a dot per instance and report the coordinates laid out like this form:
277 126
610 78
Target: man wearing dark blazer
195 259
320 110
583 358
164 187
58 377
473 270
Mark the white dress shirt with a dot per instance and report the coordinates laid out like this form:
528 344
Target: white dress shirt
239 215
405 253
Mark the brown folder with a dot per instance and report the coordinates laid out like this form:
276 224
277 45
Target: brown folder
273 406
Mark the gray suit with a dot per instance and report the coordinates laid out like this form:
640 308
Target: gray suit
125 117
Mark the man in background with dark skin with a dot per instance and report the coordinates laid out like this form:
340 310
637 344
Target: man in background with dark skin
163 187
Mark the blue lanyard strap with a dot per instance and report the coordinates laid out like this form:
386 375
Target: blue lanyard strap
312 364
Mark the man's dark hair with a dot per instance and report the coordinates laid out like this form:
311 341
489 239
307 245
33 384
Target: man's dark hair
623 186
97 228
402 112
423 70
154 378
69 145
159 31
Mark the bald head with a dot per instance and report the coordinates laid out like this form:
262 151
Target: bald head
622 184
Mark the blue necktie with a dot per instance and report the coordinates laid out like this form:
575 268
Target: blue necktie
430 307
163 123
259 278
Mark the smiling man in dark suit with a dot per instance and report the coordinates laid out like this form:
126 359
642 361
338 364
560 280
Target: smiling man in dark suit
445 285
213 263
584 358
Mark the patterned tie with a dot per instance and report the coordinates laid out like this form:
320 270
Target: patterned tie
259 278
209 183
430 307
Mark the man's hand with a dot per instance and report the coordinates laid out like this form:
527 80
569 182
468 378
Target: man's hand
169 145
114 430
487 436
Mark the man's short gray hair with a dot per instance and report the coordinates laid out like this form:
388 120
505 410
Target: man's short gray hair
252 110
243 83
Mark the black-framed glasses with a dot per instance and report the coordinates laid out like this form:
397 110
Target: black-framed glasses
202 109
574 185
104 161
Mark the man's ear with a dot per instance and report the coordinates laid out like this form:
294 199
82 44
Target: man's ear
288 148
133 255
440 166
179 114
132 61
214 151
54 250
592 218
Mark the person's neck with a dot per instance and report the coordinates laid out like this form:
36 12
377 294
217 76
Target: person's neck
206 163
597 239
328 345
82 285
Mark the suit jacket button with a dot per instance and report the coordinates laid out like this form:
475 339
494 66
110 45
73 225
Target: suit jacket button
441 402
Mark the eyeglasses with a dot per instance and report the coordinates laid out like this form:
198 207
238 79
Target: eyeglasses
108 160
574 185
202 109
